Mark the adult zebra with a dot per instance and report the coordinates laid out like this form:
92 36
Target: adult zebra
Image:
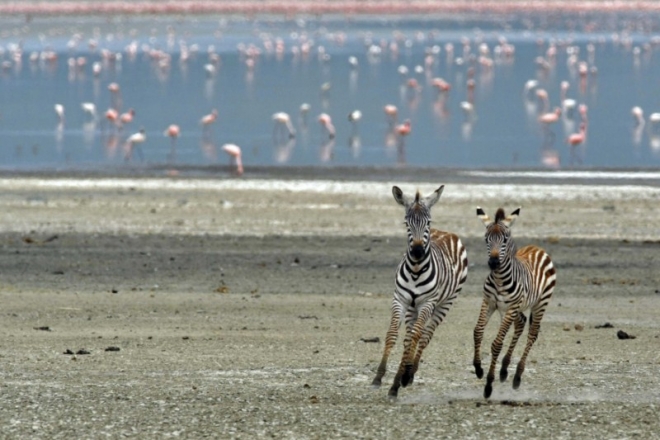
428 279
519 279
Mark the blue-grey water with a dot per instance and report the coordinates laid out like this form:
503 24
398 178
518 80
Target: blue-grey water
166 87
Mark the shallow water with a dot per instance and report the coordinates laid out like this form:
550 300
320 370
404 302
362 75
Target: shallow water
503 132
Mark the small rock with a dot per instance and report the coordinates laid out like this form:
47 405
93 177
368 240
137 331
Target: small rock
374 339
579 327
112 348
606 325
623 335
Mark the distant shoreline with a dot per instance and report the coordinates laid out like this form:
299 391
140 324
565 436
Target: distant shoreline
523 176
292 7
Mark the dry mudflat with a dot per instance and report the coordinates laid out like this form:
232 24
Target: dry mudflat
239 308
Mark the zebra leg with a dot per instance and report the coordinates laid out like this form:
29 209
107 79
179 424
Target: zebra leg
439 314
496 347
518 326
390 340
396 384
534 327
484 315
417 332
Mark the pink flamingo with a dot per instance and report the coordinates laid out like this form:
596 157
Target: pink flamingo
234 151
577 138
583 110
441 85
550 117
115 91
209 119
326 123
112 116
402 130
391 114
127 117
173 132
542 96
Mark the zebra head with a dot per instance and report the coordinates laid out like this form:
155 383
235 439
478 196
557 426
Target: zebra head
418 220
498 236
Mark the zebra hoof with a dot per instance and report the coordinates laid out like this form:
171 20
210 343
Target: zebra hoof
478 371
516 382
488 390
376 382
392 394
503 375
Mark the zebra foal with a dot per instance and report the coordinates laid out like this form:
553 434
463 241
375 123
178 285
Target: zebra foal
519 279
428 279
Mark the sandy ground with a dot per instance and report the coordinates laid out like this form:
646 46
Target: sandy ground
239 309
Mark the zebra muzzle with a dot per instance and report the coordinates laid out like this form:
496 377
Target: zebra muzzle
417 251
493 263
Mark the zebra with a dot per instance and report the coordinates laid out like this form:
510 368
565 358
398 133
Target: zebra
428 280
519 279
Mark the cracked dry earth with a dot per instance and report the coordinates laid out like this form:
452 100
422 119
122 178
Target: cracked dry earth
249 333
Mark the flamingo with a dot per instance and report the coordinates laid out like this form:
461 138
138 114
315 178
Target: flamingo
468 111
640 122
135 139
115 91
173 131
638 114
550 117
59 111
127 117
234 151
354 117
391 114
326 122
441 85
282 120
90 109
578 138
209 119
403 130
304 111
542 96
583 110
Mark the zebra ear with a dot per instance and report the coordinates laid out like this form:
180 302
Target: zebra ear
433 198
511 218
398 196
482 215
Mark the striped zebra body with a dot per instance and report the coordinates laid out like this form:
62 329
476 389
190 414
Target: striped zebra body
428 279
520 280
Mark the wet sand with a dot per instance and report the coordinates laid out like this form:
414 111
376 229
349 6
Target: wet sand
239 308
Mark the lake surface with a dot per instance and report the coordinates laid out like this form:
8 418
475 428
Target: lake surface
268 65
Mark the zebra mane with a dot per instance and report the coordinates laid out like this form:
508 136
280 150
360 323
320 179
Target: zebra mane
417 196
499 215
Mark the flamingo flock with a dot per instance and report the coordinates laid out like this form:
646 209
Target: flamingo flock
554 99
